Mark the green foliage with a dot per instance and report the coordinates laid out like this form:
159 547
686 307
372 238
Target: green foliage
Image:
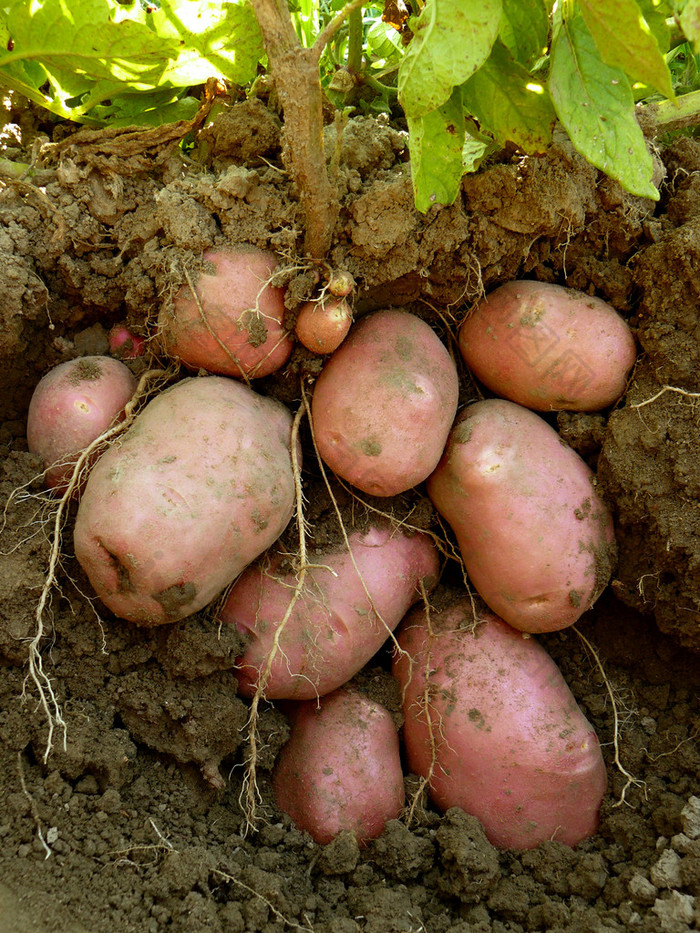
595 104
98 60
470 77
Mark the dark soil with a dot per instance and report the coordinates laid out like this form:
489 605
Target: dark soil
119 826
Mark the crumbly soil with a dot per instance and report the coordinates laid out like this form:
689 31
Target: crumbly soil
124 824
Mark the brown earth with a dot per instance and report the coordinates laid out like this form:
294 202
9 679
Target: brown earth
119 827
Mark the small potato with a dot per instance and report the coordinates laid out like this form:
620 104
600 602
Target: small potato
233 323
197 488
124 344
492 725
323 325
71 407
344 614
384 403
548 347
340 769
537 541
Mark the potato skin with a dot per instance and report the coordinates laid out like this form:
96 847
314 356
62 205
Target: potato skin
72 405
384 403
548 347
340 769
536 539
197 488
243 334
511 745
335 626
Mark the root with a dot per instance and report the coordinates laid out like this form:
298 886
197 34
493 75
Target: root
48 701
32 807
246 887
662 391
250 797
631 781
214 336
305 402
426 712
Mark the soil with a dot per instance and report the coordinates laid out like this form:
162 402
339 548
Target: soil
132 820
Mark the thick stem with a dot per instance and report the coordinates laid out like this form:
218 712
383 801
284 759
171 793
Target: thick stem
355 41
297 81
680 114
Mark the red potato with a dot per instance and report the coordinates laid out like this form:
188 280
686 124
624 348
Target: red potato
548 347
496 729
384 403
336 624
124 344
71 407
536 539
323 325
340 769
233 324
198 487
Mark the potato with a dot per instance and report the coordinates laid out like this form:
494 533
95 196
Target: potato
198 487
233 324
496 730
340 769
323 325
384 403
72 405
536 539
341 618
548 347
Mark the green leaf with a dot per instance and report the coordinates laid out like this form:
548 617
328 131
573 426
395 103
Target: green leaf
657 14
525 29
214 39
473 151
89 51
690 23
625 41
452 38
435 143
595 105
508 102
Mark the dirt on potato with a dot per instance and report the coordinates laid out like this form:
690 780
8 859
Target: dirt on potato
132 821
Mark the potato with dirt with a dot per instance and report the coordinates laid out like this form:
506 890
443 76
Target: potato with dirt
384 403
349 603
199 486
72 405
340 769
548 347
492 726
230 319
536 539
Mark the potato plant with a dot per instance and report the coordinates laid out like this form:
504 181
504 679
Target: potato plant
204 480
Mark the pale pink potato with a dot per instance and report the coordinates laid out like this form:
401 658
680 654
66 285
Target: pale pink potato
340 769
548 347
72 405
199 486
341 619
536 539
509 744
384 403
234 326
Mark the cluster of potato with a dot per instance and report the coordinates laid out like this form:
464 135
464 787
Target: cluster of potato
195 493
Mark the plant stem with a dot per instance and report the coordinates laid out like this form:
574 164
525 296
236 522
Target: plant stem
295 72
680 114
355 41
